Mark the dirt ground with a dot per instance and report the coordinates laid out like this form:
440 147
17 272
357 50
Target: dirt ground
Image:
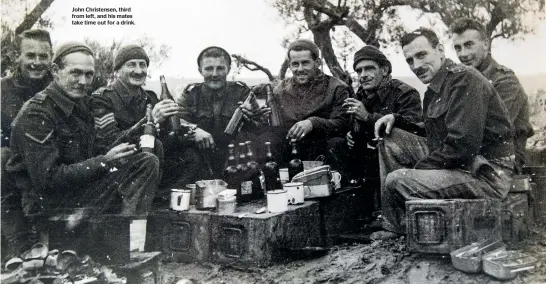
376 262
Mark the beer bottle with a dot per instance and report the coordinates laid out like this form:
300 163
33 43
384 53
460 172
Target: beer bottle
173 122
271 170
230 172
147 139
274 116
244 190
295 165
254 172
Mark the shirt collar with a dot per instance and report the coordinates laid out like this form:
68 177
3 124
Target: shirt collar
436 83
487 62
60 98
125 93
382 90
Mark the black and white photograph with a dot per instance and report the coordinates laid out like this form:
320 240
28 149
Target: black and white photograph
273 141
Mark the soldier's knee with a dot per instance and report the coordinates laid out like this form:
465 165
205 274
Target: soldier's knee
395 179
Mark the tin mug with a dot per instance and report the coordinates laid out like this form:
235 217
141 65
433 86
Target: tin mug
180 199
336 179
277 201
296 192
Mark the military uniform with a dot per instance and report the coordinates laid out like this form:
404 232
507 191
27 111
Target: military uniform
116 110
321 102
16 90
465 120
512 94
392 96
211 111
55 165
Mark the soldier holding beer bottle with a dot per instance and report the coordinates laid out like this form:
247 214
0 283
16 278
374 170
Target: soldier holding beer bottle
120 113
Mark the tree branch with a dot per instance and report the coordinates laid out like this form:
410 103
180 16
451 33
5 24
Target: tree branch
253 66
33 16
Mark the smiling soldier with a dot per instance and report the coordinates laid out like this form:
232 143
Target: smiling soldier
468 151
473 49
378 95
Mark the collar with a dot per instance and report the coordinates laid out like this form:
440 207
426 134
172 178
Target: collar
486 63
436 83
382 90
210 93
125 93
60 98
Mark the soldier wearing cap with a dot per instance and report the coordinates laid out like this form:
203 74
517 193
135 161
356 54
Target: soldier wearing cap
473 49
55 163
311 103
120 110
378 94
31 76
211 104
468 151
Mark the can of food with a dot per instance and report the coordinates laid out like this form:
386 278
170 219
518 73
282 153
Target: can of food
191 187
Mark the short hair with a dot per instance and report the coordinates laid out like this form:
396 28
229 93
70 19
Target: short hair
428 33
214 51
34 34
314 55
461 25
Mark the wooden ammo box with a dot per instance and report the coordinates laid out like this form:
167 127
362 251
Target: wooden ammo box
444 225
248 239
183 236
343 213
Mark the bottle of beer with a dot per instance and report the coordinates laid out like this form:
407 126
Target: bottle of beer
295 165
173 122
271 170
230 172
244 190
254 172
236 120
147 139
275 116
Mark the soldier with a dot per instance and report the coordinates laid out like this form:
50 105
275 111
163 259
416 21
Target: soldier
378 95
31 76
473 49
53 138
468 151
311 103
211 104
120 110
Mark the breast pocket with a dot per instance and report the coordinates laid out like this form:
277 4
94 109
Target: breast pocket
435 120
69 146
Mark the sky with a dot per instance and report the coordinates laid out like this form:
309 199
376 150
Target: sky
248 27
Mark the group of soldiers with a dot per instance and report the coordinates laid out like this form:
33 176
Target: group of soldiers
62 147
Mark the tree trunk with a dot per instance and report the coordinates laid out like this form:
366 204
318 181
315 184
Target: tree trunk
322 38
33 16
284 68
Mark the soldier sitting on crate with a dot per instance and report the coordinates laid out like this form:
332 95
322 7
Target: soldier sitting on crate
378 95
120 110
55 163
468 151
211 104
310 104
472 47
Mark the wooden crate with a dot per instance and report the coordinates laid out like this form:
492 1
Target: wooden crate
249 239
444 225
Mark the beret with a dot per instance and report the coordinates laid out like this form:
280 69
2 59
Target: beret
68 48
130 52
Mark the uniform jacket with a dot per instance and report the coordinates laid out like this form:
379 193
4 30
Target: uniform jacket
320 101
15 92
464 116
210 110
512 94
53 146
116 109
391 97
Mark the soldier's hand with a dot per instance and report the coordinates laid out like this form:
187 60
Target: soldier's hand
356 107
203 139
120 151
350 140
383 126
164 109
299 130
247 111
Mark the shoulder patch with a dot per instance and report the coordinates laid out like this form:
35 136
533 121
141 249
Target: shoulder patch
105 120
503 68
240 83
457 68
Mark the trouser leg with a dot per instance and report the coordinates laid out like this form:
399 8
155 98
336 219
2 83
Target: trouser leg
181 167
135 182
519 147
15 228
408 184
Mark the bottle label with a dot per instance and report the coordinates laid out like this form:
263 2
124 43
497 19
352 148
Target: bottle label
147 141
246 187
